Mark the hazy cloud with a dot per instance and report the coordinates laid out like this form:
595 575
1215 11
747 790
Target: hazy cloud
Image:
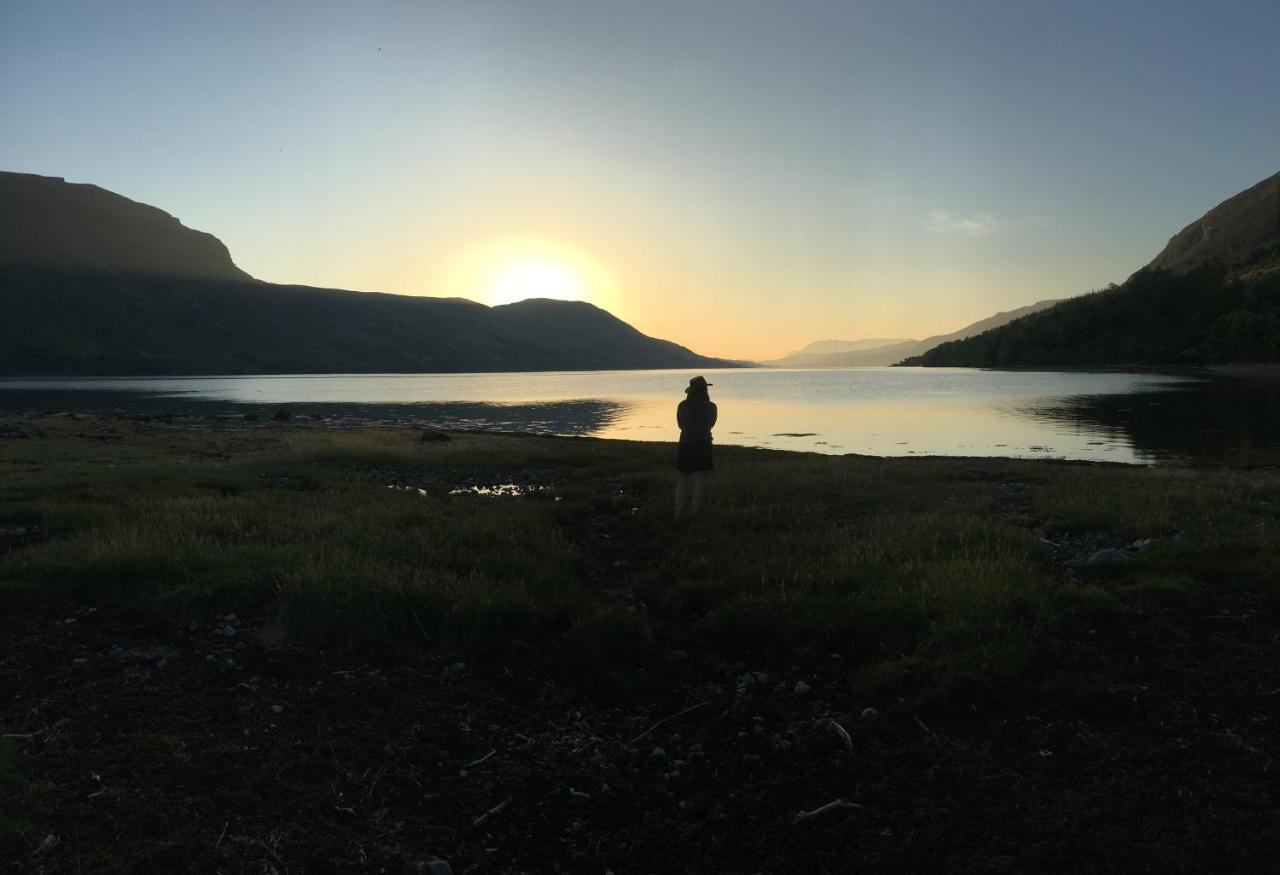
975 225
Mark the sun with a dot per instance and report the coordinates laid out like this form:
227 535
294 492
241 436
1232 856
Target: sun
534 276
512 269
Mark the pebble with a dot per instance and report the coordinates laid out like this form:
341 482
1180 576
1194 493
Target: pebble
80 661
801 688
429 866
228 632
659 753
277 709
870 713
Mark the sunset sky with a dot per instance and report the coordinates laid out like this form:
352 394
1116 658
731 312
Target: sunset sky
740 177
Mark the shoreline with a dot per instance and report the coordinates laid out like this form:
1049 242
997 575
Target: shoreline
212 416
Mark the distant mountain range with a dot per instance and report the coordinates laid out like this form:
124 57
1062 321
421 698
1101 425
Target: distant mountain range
92 283
1212 296
870 353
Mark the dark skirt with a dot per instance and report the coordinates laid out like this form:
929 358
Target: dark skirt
693 456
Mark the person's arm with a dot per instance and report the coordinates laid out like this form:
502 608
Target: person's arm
680 415
711 419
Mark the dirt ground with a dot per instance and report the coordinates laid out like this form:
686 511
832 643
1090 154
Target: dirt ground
1147 747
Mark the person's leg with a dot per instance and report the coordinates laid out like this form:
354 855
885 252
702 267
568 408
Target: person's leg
699 489
682 491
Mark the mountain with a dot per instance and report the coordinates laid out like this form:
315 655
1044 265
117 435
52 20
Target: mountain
798 358
1212 296
94 283
893 352
47 221
1235 233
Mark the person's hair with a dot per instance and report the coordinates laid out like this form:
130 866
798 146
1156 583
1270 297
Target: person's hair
698 393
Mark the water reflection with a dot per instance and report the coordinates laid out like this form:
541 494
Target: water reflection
875 411
1214 421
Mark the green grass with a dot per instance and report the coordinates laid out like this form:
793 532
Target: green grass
920 576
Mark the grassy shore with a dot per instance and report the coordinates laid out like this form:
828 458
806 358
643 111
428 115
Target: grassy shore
426 628
923 573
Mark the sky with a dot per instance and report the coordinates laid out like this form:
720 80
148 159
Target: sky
741 177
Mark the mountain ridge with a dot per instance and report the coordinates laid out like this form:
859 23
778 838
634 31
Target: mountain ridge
93 283
893 353
1211 296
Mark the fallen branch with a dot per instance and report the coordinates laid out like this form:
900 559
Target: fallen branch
841 733
594 740
479 761
824 809
418 623
491 813
668 720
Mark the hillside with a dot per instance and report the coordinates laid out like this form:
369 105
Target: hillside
48 222
1236 233
1211 296
892 352
92 283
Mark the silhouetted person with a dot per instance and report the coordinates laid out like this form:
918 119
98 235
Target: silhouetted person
696 416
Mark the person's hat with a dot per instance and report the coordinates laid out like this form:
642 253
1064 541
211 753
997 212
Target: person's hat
698 383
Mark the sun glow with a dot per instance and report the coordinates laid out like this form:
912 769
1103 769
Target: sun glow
535 277
517 269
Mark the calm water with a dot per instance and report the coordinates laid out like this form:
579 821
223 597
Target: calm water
881 411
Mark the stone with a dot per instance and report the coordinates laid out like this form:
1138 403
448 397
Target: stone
277 709
801 688
228 632
429 866
1108 556
432 436
870 713
282 415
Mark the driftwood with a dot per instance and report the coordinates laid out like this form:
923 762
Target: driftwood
491 813
836 805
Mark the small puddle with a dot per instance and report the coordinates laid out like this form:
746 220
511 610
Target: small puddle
13 536
499 490
417 489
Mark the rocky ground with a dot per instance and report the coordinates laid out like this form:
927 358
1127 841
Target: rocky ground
206 747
